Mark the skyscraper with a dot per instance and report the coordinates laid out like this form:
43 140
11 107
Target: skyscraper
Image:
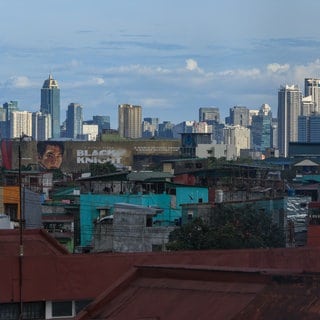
239 116
8 107
289 109
103 123
209 113
312 88
20 124
50 104
130 121
261 129
41 126
74 120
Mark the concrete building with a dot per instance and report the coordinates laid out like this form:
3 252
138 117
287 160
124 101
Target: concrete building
190 141
129 121
227 151
289 109
146 189
129 229
239 115
20 124
209 113
41 126
312 89
50 104
90 131
238 136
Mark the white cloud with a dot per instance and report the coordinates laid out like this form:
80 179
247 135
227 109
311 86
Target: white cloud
92 82
241 73
154 102
278 68
192 65
19 82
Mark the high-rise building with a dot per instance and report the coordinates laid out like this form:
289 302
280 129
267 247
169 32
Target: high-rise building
238 136
261 129
103 123
239 116
74 120
309 129
50 104
209 113
41 126
20 124
289 109
8 107
130 120
312 88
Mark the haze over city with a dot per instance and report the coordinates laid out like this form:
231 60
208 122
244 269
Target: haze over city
170 57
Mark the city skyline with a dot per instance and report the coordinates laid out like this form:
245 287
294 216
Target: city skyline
170 57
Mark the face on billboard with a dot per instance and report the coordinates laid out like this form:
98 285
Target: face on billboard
50 155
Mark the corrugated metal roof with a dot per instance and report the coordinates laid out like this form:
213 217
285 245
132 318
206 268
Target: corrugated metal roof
203 294
149 175
36 243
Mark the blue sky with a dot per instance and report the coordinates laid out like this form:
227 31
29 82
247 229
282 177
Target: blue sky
169 56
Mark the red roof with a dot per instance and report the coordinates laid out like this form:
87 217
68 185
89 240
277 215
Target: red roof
171 293
36 242
207 279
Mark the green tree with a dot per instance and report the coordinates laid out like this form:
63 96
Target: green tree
98 169
231 228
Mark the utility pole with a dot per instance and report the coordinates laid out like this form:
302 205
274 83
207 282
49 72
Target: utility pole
20 233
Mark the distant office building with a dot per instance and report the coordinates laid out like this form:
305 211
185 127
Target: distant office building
238 116
74 121
191 127
307 106
148 130
289 109
103 123
312 88
130 119
90 132
209 113
50 104
309 129
238 136
274 128
261 129
166 130
41 126
8 107
190 141
20 124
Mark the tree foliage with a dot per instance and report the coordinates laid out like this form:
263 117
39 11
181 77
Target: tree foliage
98 169
230 229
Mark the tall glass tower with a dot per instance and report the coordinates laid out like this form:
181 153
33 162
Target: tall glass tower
74 120
289 109
50 104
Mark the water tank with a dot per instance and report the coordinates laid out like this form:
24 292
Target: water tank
219 196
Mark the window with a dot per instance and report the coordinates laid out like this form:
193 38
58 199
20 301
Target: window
60 309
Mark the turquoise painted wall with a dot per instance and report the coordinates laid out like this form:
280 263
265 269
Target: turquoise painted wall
168 203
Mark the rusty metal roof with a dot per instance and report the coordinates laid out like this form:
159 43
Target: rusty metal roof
36 242
203 294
